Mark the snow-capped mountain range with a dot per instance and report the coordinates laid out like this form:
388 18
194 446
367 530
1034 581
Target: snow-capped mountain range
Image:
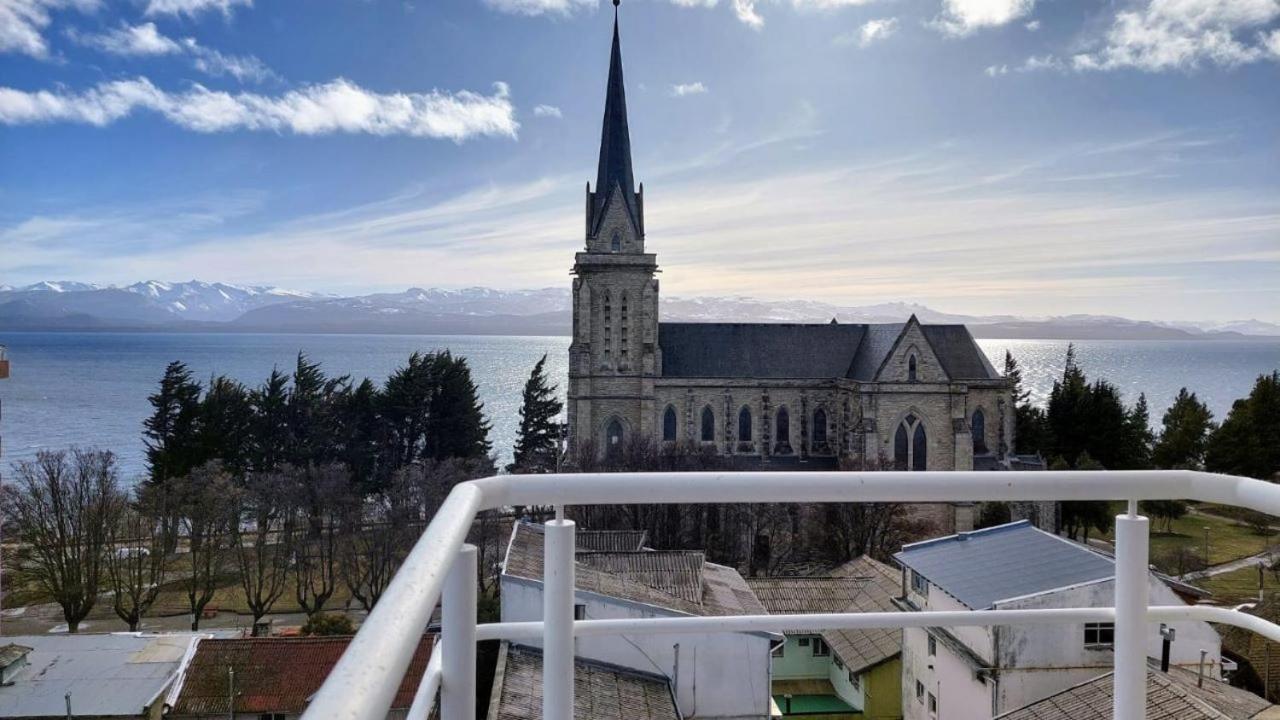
197 306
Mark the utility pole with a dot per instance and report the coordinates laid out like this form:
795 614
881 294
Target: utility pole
1206 546
231 693
68 698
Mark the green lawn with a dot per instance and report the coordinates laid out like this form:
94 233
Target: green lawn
1228 539
1240 586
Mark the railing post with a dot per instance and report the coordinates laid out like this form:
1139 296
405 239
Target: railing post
458 638
557 615
1132 572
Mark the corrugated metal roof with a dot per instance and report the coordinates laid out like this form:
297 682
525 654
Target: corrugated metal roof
722 591
609 540
1171 696
601 691
107 675
273 675
860 585
983 567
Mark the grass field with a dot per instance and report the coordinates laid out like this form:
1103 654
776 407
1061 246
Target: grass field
1228 539
1239 586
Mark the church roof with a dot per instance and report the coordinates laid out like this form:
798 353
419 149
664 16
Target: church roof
614 170
769 350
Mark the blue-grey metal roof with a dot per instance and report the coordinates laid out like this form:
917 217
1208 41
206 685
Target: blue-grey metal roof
983 567
107 675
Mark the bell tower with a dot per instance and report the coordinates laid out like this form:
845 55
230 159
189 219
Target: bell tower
613 357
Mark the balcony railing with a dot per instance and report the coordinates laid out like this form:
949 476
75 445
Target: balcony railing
364 682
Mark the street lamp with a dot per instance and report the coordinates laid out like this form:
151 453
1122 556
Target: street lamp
1206 546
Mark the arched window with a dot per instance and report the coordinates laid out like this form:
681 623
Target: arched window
708 425
613 435
783 438
910 445
819 426
979 429
744 425
669 424
911 368
616 243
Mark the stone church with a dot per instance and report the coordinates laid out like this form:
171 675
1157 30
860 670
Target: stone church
912 395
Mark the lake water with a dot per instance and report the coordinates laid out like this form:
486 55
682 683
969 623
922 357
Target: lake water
91 389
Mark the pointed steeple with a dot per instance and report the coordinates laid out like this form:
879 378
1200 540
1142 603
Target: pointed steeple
614 170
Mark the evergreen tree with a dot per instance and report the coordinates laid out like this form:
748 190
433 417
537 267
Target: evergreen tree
1138 438
227 426
271 422
171 431
1030 432
456 426
362 432
536 445
1184 434
1080 516
405 406
1248 441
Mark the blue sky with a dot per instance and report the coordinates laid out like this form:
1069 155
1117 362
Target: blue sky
981 156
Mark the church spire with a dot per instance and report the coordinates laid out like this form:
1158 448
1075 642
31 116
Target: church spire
614 170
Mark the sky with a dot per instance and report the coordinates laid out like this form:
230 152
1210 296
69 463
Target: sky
1030 157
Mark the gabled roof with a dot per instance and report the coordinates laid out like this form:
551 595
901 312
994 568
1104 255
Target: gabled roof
274 675
860 585
791 350
116 674
666 580
983 567
609 540
600 691
613 172
1170 696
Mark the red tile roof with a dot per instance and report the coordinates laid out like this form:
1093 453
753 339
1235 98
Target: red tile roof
273 675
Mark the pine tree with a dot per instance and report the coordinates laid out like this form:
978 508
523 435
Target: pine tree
1246 442
1138 438
227 426
536 445
456 426
271 422
1184 434
1030 432
171 431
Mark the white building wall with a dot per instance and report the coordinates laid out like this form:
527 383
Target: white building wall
855 696
716 675
949 676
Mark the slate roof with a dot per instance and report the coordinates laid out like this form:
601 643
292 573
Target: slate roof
828 350
273 675
107 675
860 585
664 580
601 691
983 567
1170 696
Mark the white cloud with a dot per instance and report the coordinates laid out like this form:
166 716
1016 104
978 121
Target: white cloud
683 89
338 106
1033 25
1185 34
961 17
746 12
192 7
996 70
539 7
240 67
22 23
547 111
1273 44
875 30
141 39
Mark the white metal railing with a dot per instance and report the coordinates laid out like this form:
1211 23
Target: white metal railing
364 682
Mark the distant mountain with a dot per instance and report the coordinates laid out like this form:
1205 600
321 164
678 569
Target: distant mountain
146 303
199 306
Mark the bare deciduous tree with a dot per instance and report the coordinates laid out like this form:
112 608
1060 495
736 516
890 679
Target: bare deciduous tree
260 532
62 508
136 554
205 500
315 544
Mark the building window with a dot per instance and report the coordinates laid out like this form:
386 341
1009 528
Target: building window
783 440
820 648
616 243
708 425
839 663
933 646
613 436
819 427
911 368
919 585
1099 635
579 612
669 424
804 642
272 716
855 680
744 425
919 691
779 650
933 704
979 430
624 326
910 445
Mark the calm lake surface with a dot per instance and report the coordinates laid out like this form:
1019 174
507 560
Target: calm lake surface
91 389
